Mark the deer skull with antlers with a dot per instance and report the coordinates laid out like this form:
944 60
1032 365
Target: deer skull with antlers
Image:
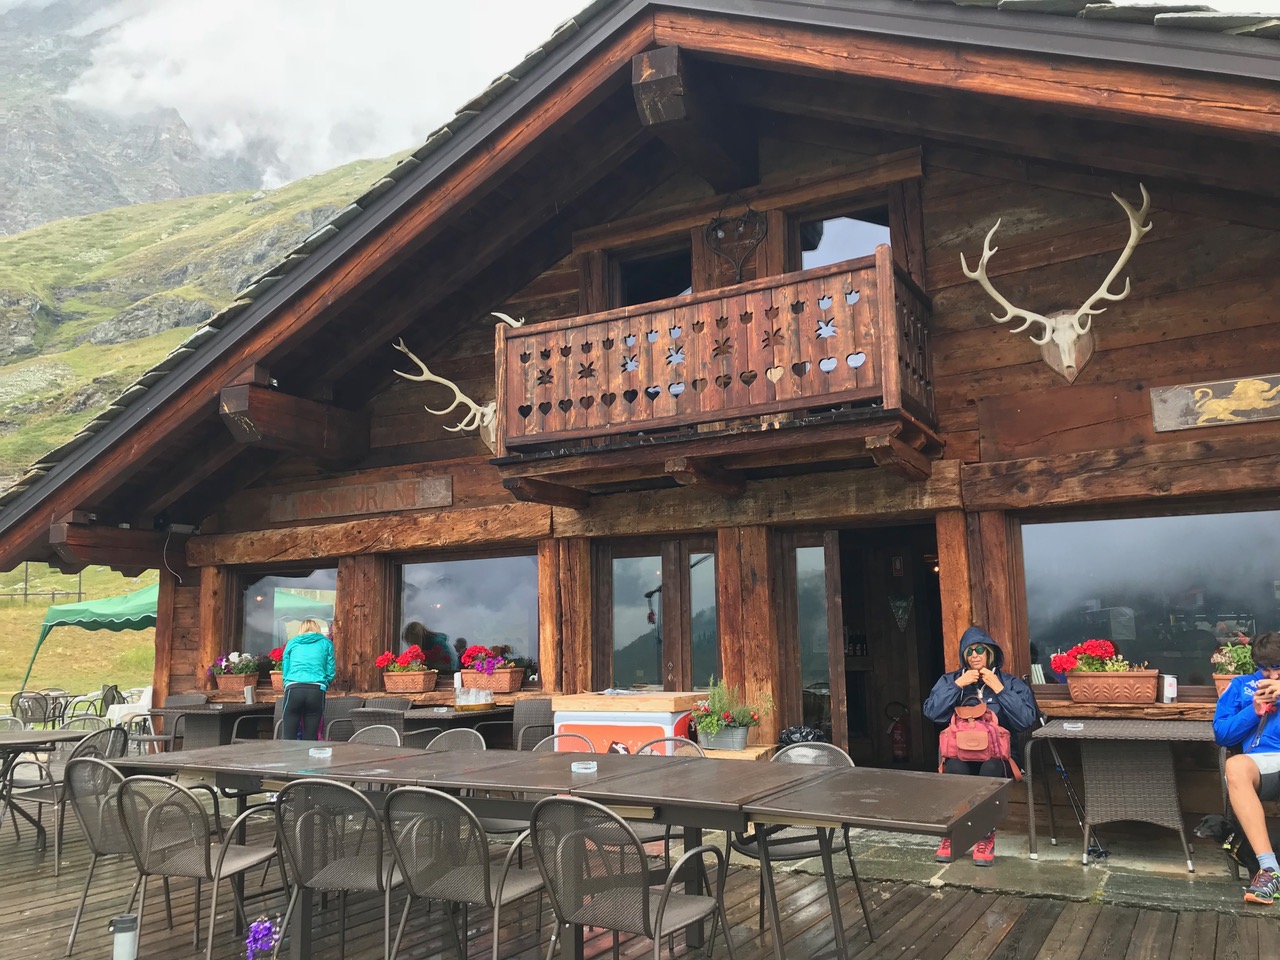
482 417
1067 341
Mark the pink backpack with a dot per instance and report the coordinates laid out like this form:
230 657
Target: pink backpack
975 734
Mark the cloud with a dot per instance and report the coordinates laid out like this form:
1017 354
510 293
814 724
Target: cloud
315 84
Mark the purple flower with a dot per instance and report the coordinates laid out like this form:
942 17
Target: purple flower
261 939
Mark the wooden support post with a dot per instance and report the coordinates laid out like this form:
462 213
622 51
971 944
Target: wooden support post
529 490
215 600
689 472
579 658
164 638
126 550
363 619
681 107
550 624
954 582
997 585
746 609
892 453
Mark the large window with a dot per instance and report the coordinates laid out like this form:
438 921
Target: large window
1165 590
274 607
834 239
449 605
663 615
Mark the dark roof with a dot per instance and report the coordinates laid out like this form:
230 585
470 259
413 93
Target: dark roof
1168 35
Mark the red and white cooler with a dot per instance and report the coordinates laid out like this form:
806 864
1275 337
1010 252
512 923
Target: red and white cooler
624 721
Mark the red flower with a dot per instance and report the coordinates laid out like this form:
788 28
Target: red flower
1063 662
471 654
277 655
384 660
727 715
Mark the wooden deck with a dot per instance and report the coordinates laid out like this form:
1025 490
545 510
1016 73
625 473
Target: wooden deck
914 922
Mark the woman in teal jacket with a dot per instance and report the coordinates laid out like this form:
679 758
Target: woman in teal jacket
308 668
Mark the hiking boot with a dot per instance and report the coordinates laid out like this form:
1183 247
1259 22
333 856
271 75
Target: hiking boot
944 851
1263 888
984 851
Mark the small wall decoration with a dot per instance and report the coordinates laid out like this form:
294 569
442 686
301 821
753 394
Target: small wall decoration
1067 341
1216 402
901 607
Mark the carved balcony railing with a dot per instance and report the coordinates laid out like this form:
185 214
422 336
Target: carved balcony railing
848 340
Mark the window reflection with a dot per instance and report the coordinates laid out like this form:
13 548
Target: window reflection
275 606
837 239
703 628
811 630
1165 590
454 604
637 621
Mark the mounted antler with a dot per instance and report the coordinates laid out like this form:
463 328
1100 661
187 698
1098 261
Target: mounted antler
480 417
1067 342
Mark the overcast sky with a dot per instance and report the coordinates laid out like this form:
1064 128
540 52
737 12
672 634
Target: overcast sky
323 81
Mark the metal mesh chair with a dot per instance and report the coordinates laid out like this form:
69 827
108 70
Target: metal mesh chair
11 723
337 717
564 743
801 843
168 832
443 854
92 791
670 747
244 726
459 738
597 875
332 837
379 734
389 703
43 782
85 723
32 708
531 721
169 739
58 699
363 717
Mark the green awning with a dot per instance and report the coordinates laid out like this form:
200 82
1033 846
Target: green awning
137 611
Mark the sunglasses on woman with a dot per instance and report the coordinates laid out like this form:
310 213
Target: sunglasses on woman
978 649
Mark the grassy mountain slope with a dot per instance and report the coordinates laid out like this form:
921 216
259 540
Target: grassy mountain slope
89 303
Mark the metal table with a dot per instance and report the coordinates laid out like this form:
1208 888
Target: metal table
13 744
209 724
1128 773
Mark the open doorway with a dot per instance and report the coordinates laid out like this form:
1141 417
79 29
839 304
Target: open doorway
868 617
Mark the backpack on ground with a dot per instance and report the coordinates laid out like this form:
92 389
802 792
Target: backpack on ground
974 734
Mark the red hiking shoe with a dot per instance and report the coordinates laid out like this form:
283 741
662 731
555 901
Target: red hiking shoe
944 851
984 851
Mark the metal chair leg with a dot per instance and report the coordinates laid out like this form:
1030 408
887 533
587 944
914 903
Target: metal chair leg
857 884
75 922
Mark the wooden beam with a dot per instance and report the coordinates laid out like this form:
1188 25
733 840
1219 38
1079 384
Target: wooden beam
689 472
392 533
215 618
993 575
363 618
1236 105
954 582
826 497
529 490
745 605
259 416
679 104
892 454
550 613
177 487
126 550
164 637
1158 471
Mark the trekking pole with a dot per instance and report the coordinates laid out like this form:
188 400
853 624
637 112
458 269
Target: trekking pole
1096 849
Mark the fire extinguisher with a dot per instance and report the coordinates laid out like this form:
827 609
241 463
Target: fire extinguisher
901 747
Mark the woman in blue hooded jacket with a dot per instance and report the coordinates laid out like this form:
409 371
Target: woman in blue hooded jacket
308 669
980 679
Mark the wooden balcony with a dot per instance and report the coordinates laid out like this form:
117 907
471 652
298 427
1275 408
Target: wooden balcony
821 366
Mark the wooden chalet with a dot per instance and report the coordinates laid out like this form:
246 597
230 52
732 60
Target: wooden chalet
759 420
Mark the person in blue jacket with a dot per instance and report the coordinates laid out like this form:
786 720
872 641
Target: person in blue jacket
308 669
980 679
1246 717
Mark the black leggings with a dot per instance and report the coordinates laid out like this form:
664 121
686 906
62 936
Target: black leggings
976 768
303 711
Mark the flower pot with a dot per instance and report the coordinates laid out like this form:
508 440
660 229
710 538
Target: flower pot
1223 680
728 738
277 681
409 681
236 682
502 680
1133 686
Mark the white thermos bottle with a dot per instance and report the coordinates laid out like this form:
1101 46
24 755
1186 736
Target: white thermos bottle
124 946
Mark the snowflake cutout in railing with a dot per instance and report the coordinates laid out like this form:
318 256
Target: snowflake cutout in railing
587 371
826 329
772 338
723 347
675 355
630 363
545 378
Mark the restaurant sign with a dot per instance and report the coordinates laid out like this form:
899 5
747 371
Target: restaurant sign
1215 403
362 498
